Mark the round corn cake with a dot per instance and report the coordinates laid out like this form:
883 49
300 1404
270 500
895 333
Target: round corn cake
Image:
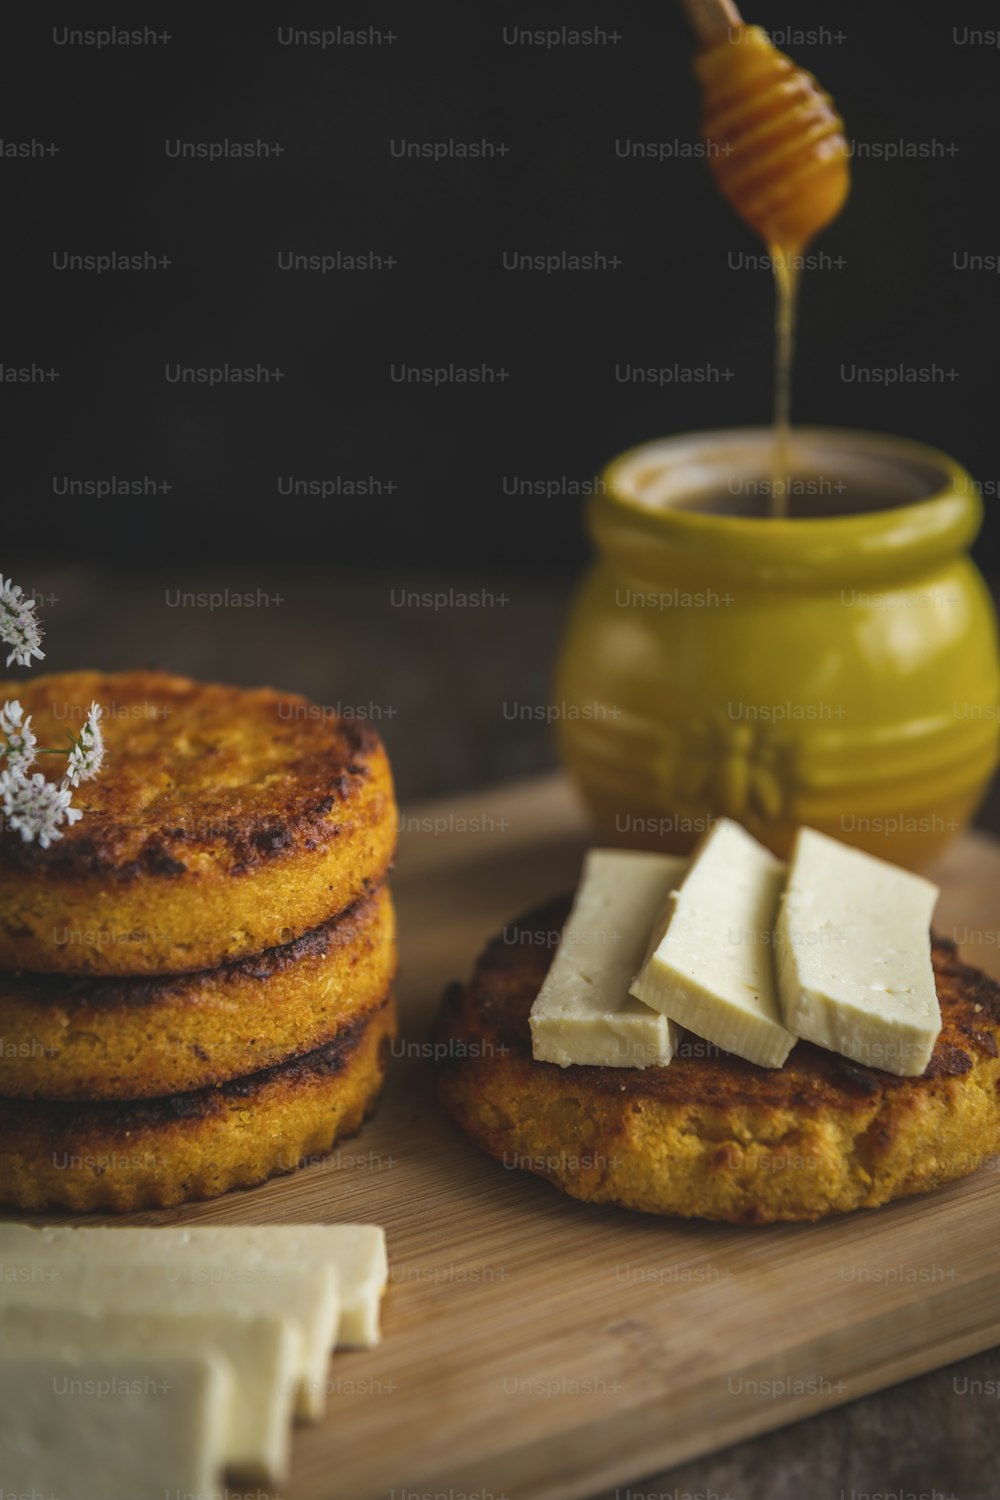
711 1136
137 1038
157 1153
226 820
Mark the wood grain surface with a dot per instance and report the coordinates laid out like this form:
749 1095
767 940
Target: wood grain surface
539 1349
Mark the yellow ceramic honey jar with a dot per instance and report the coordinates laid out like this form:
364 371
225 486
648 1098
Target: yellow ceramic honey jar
837 667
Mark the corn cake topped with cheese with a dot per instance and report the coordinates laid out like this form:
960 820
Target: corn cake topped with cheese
711 1135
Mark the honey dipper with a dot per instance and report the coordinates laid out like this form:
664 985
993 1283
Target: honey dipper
776 144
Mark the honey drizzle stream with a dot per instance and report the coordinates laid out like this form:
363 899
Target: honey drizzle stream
786 287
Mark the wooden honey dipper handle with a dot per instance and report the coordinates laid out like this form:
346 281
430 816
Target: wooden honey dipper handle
711 19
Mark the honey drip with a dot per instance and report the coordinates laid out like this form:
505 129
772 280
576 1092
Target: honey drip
786 290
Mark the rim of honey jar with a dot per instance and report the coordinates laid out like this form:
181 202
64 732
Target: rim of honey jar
644 510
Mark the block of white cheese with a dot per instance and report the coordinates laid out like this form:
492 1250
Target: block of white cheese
583 1012
854 956
263 1353
710 967
148 1427
357 1251
185 1287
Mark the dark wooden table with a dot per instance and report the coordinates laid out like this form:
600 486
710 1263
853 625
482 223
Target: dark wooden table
453 688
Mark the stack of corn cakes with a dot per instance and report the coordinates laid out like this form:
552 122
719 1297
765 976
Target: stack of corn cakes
196 985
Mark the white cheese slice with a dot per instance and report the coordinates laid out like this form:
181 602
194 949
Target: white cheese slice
142 1428
854 956
358 1251
186 1287
583 1012
711 966
360 1255
264 1354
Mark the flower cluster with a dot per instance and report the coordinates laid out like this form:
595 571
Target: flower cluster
21 742
32 806
18 626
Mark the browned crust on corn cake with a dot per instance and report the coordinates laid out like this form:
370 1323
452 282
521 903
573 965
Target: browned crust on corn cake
227 820
710 1135
161 1152
120 1038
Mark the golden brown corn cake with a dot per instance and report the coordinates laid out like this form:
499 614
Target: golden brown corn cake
709 1135
136 1038
159 1152
226 821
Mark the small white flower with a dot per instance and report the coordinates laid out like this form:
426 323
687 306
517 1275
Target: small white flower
18 626
87 754
11 716
34 807
21 742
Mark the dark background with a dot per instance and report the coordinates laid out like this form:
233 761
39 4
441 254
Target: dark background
675 299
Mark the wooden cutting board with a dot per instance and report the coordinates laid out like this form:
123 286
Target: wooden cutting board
539 1349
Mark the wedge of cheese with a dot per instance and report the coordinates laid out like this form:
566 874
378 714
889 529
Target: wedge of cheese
145 1427
101 1283
357 1251
583 1012
854 956
263 1353
711 967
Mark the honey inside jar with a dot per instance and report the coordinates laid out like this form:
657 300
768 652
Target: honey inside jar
777 149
